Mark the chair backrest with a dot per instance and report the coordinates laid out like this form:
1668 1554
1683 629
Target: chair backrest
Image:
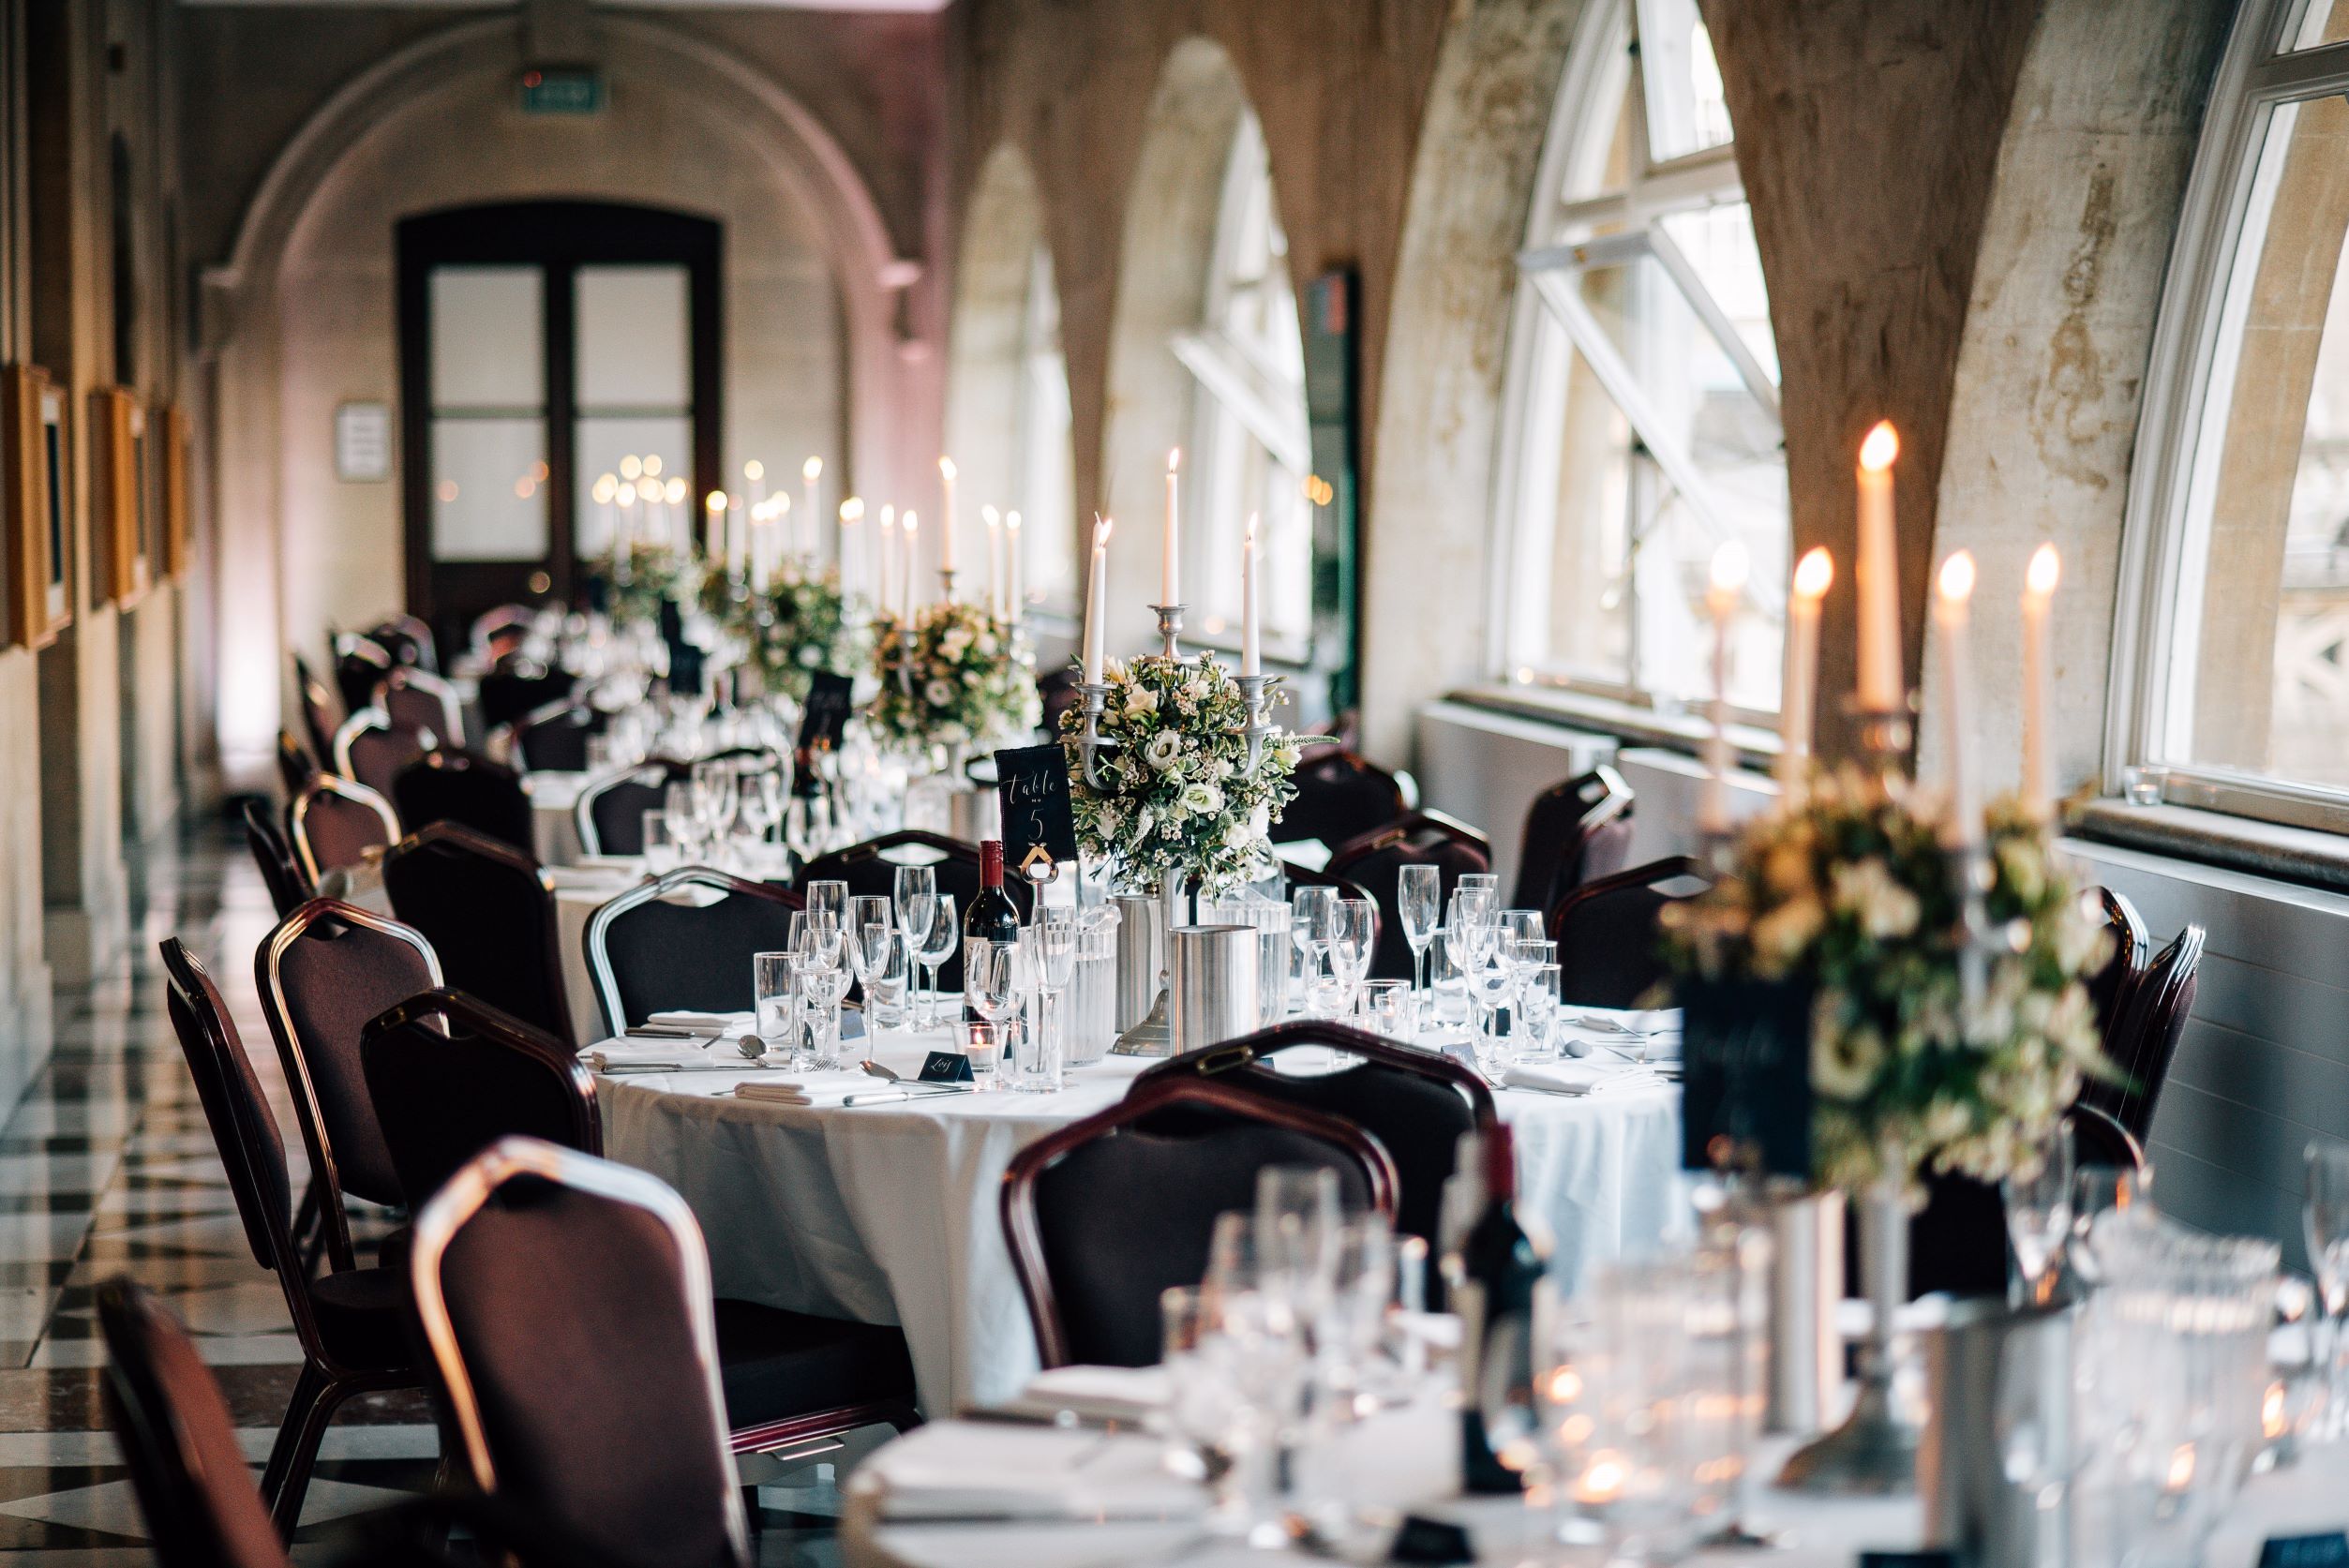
611 810
370 752
1338 795
408 640
1607 933
554 739
335 822
500 629
490 917
449 1077
417 699
518 686
322 974
289 888
869 869
359 663
297 767
567 1303
2125 929
2146 1033
655 948
236 1108
1415 1102
1575 833
178 1440
458 786
1376 860
318 710
1057 689
1104 1214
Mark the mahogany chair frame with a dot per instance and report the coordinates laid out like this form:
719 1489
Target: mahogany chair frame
1023 1233
348 789
427 838
1219 1062
1409 825
1537 884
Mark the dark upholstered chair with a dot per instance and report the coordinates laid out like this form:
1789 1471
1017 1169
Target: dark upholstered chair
289 888
501 631
2125 928
490 917
335 823
567 1303
1957 1243
370 751
1340 795
1606 931
1376 860
297 767
1104 1214
610 810
869 869
408 640
360 663
554 739
1058 690
318 709
322 973
517 687
656 948
1417 1104
417 700
2144 1034
450 1078
351 1323
458 786
1575 833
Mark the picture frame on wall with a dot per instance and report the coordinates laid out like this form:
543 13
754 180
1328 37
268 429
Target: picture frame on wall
34 604
175 521
120 526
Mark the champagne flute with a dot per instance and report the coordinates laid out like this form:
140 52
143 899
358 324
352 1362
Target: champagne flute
1353 937
1419 899
917 891
828 898
2038 1216
1314 915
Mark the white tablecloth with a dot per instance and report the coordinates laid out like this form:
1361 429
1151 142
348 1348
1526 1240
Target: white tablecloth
889 1213
554 828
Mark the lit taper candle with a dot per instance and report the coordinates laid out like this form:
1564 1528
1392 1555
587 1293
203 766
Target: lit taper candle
2039 772
945 520
1251 659
911 522
1953 602
1095 594
1813 575
993 519
811 497
1017 590
1726 588
1171 565
1878 578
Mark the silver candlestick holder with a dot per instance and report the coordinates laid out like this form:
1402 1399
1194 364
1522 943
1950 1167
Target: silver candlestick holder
946 583
905 642
1169 628
1092 745
1260 693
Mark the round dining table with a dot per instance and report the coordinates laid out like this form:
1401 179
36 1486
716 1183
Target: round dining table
888 1212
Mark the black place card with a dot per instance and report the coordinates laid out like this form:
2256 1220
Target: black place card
1040 828
1434 1542
2306 1551
825 718
945 1066
1745 1086
1929 1558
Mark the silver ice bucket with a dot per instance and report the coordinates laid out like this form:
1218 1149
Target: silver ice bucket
1091 1024
1214 994
1806 1281
1141 955
1997 1451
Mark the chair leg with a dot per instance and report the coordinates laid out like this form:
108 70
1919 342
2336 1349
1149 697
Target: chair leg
287 1478
309 1228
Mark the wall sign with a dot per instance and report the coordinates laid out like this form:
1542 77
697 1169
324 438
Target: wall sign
363 442
562 90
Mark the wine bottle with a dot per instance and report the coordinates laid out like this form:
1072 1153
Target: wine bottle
1491 1281
993 917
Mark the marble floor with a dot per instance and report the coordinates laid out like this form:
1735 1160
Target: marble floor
106 1168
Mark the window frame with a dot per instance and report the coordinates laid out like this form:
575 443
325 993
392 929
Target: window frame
1616 228
1043 379
2181 429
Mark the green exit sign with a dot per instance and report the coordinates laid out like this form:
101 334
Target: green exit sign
547 90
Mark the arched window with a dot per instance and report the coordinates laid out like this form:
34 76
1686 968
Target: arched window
1249 451
1043 484
1644 430
2231 670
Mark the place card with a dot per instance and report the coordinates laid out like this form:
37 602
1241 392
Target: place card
2306 1551
825 718
1435 1542
1040 826
1745 1084
945 1066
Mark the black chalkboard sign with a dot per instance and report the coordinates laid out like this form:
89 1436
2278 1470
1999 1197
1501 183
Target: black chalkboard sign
825 718
1745 1085
2306 1551
1038 826
945 1066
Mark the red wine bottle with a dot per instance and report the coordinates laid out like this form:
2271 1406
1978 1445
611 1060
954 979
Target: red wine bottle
1491 1284
993 917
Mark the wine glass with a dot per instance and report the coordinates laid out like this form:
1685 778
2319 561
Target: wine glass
989 984
660 853
1314 915
826 979
1352 938
1055 946
868 909
763 790
2326 1219
1298 1223
2038 1216
717 795
873 953
682 812
828 898
1419 899
917 892
935 944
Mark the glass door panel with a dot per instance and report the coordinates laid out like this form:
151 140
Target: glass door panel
633 389
489 413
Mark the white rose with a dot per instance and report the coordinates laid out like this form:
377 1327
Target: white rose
1144 821
1204 800
1140 702
811 656
1164 751
987 645
937 693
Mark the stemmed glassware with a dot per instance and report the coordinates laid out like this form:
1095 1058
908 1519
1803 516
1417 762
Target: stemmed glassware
1056 959
764 789
1419 899
2039 1218
2326 1219
828 898
916 890
871 944
1352 937
990 984
717 796
1313 919
680 811
823 978
934 943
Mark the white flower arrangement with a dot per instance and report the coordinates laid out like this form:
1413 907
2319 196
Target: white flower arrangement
969 680
1850 895
1176 797
801 624
648 573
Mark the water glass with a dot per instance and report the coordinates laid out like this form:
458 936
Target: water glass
1448 979
824 981
1354 941
879 955
1537 1009
983 1044
682 813
776 1001
2326 1219
1313 921
2039 1218
660 851
935 944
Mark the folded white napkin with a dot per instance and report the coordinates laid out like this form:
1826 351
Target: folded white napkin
591 878
952 1470
705 1023
822 1089
1622 1021
1589 1076
1103 1392
669 1055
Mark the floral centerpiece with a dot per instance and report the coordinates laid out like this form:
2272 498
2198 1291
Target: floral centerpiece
964 679
798 625
1176 795
1850 895
649 574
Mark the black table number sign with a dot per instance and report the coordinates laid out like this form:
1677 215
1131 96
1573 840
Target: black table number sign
825 719
1040 828
2306 1551
1745 1088
945 1066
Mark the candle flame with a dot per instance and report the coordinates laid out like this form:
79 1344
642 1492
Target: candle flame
945 469
1958 577
1815 574
782 502
652 466
2044 571
1251 531
625 495
649 488
754 469
1730 566
606 488
676 491
812 468
1174 459
1882 445
1101 526
851 512
908 521
989 516
715 501
1011 521
632 467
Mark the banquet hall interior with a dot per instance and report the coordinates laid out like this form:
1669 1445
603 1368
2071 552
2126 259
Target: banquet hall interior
928 782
